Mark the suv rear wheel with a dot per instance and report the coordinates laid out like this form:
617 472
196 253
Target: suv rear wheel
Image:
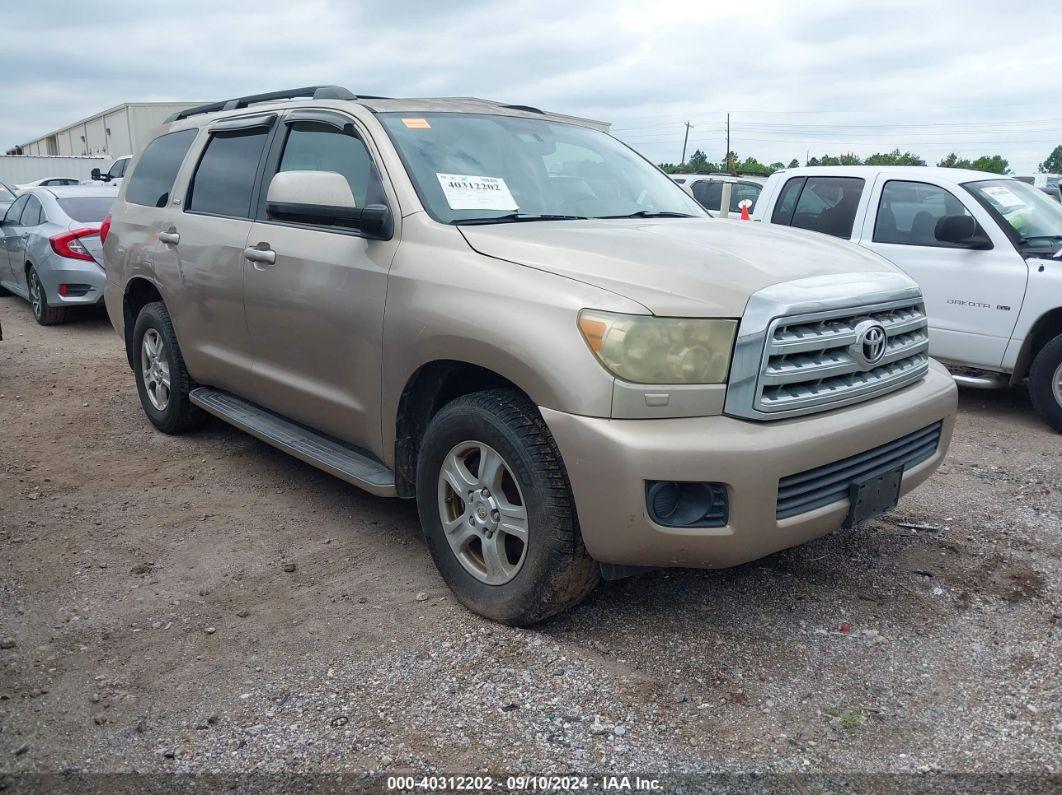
497 510
42 313
1045 383
161 377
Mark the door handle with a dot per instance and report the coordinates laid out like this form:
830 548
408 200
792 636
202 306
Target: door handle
172 238
264 256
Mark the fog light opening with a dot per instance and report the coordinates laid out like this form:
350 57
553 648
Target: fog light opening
675 503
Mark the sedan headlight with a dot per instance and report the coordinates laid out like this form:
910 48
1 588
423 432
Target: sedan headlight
660 350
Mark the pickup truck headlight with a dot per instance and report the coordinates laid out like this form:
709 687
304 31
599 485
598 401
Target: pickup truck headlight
660 350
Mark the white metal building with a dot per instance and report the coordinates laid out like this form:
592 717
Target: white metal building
19 169
115 132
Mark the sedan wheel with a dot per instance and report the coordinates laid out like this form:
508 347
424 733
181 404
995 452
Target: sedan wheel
155 369
36 294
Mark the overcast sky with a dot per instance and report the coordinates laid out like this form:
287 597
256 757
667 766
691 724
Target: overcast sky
931 76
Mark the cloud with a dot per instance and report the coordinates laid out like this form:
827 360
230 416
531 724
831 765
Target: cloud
827 76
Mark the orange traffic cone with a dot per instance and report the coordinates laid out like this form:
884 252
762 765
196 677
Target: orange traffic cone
745 213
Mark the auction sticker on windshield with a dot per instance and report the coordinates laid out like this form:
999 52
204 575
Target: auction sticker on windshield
464 192
1004 197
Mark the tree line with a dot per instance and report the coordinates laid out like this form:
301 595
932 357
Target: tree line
698 163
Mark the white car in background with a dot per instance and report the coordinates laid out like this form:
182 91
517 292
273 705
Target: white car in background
985 249
47 182
707 189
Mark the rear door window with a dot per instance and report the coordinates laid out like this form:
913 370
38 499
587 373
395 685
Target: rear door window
787 198
32 215
14 212
908 213
708 193
827 205
224 180
152 180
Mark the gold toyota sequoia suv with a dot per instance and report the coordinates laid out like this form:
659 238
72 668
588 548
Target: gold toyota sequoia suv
515 319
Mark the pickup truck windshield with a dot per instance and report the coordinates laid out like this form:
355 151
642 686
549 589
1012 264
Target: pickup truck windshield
1035 218
485 168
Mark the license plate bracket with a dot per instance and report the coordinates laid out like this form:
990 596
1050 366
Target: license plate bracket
873 496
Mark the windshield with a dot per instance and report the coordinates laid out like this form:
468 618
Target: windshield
5 194
478 166
1035 219
87 209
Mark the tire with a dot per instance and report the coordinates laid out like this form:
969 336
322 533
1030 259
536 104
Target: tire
42 313
552 568
1045 383
170 410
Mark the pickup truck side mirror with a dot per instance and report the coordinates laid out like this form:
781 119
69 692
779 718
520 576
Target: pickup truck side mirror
961 230
98 176
323 198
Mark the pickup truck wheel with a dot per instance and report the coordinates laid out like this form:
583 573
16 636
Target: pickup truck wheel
161 377
497 510
42 313
1045 383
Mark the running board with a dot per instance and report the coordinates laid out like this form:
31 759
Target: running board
352 464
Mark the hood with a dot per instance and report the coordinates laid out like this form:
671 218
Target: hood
677 267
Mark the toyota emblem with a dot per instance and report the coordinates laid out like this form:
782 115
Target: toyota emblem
870 343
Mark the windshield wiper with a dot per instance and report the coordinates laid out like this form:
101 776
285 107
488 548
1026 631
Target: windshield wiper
514 218
1024 241
651 214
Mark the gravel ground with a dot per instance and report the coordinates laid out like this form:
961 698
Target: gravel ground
208 604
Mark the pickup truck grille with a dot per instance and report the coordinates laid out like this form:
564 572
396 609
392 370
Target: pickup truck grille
820 361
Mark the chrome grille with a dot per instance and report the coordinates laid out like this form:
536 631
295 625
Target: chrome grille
808 364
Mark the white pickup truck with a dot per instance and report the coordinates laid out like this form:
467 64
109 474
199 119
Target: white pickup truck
986 251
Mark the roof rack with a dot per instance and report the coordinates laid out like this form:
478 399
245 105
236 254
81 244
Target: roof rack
315 92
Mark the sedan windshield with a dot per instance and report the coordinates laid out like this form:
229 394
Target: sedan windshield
1035 219
484 168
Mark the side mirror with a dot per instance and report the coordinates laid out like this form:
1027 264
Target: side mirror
96 174
324 198
960 230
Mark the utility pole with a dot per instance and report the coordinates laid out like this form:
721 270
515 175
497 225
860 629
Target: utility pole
728 167
684 142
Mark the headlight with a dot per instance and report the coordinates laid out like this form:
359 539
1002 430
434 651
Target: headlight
660 350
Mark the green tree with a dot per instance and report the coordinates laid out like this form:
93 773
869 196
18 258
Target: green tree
777 166
953 161
997 164
794 163
1053 163
698 164
894 158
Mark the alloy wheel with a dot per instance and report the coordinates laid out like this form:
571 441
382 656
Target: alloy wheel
36 291
155 369
483 513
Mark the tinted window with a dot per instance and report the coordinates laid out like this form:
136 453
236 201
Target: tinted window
118 168
783 210
908 213
312 146
31 216
708 193
57 182
87 209
151 182
1027 180
224 180
742 191
828 205
15 210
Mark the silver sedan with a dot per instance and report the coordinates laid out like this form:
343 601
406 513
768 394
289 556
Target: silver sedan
51 253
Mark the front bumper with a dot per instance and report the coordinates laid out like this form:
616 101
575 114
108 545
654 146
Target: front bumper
62 270
608 462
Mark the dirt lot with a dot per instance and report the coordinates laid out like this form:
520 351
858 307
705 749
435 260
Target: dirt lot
154 626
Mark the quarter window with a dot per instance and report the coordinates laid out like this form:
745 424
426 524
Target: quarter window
224 181
314 146
908 213
152 180
783 210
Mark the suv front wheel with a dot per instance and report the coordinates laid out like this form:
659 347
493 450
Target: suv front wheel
1045 383
161 377
497 510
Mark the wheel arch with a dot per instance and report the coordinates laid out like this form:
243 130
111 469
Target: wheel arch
427 390
139 292
1046 328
